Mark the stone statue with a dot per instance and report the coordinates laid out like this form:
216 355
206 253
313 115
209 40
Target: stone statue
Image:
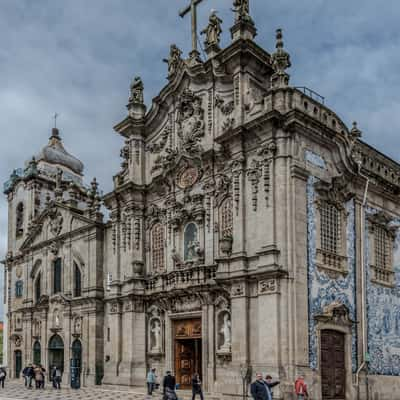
174 60
226 332
57 320
242 9
156 331
213 30
78 325
136 90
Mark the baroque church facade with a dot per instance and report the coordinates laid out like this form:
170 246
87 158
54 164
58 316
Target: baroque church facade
249 230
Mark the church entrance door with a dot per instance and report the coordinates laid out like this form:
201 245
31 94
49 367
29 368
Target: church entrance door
188 350
333 365
56 353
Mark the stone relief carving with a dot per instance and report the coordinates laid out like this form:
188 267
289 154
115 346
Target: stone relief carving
78 325
254 173
56 223
226 108
238 289
186 303
190 120
268 286
237 169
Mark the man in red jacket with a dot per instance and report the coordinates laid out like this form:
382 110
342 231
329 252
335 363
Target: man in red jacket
301 388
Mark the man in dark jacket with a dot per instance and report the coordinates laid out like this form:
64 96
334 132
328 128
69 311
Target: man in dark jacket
169 384
259 389
271 384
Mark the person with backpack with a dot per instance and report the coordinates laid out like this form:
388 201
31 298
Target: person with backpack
56 377
3 375
301 388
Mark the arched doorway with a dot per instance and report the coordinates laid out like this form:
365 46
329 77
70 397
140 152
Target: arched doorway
56 352
37 356
18 363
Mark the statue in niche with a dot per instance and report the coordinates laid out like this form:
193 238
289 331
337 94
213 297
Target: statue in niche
57 320
226 333
156 331
174 60
78 325
213 30
190 242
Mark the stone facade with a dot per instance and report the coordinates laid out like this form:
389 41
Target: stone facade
215 256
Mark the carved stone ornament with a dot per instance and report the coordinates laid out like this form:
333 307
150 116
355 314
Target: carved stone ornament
238 289
136 91
268 286
18 341
188 177
56 223
174 61
191 125
335 313
78 325
186 303
337 192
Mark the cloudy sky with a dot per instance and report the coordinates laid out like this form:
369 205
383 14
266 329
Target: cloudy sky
77 58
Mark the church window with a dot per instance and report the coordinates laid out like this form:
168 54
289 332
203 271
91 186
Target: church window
157 247
331 239
19 222
330 228
57 276
38 288
19 286
226 227
108 334
77 281
381 242
190 241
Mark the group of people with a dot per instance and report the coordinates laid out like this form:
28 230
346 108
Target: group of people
37 373
261 389
169 385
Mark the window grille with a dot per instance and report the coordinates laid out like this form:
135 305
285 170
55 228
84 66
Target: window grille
330 228
226 218
157 247
382 251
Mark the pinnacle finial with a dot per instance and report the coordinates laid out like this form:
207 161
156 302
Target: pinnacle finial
280 61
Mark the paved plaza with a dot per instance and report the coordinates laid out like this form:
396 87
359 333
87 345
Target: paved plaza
16 390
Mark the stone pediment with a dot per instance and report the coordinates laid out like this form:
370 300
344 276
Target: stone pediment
59 299
54 222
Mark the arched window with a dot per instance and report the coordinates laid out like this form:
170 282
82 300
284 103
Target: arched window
157 248
19 220
190 241
57 273
226 218
38 286
19 288
37 353
77 281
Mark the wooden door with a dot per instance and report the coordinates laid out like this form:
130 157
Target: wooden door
184 362
333 370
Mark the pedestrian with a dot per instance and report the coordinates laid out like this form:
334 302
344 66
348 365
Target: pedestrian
259 389
196 386
301 388
169 384
271 384
30 375
56 377
3 375
151 381
43 374
38 374
25 375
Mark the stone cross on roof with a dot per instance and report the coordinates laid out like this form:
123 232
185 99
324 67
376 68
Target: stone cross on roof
192 8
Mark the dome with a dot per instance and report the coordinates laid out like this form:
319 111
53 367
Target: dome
54 153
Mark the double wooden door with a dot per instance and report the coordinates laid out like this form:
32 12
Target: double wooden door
333 370
187 351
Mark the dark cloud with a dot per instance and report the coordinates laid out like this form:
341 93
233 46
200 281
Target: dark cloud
77 57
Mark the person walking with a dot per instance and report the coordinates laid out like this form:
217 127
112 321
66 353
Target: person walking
38 374
301 388
3 375
56 377
259 389
196 387
30 375
151 381
169 384
271 383
25 375
43 373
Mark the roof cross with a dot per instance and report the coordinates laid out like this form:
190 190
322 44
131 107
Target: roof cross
55 120
192 8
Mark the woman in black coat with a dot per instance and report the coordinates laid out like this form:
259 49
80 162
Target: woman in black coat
196 386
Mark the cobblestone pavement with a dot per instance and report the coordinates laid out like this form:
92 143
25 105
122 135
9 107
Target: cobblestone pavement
15 390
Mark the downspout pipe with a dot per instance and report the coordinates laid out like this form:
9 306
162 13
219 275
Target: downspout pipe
363 282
